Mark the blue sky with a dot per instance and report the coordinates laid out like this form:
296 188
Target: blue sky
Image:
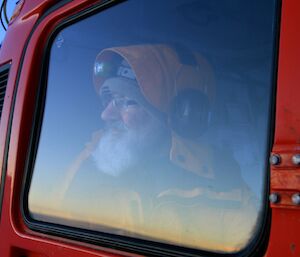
10 7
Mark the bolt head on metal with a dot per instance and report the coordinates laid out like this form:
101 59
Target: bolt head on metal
274 198
275 159
296 159
296 199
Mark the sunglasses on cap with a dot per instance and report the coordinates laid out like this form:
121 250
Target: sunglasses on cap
106 69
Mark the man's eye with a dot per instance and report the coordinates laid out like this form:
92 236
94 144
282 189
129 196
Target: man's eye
131 102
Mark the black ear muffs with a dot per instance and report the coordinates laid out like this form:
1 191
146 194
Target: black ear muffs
189 113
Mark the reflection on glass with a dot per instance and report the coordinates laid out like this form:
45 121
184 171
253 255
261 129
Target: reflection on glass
154 139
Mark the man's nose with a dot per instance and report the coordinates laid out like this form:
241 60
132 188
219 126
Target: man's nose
111 112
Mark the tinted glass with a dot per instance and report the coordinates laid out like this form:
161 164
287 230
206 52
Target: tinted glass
155 123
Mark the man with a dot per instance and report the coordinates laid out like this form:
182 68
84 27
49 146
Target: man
156 173
152 77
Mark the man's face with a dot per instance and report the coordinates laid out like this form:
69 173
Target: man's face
125 111
131 136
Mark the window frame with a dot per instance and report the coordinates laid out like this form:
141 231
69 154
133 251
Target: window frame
123 243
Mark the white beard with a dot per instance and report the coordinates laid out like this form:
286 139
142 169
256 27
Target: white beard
118 152
115 154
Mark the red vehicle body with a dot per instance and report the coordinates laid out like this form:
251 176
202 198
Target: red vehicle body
23 49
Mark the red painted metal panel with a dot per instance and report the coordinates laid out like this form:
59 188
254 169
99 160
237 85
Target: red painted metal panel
287 111
285 177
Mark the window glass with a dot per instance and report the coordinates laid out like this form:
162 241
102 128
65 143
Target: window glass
156 123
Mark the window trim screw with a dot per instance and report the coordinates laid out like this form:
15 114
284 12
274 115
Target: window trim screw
274 198
296 199
296 159
275 159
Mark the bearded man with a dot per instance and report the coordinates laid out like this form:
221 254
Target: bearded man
156 174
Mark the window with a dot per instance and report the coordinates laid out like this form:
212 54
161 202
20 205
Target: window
156 123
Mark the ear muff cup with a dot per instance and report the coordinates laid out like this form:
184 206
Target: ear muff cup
189 113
